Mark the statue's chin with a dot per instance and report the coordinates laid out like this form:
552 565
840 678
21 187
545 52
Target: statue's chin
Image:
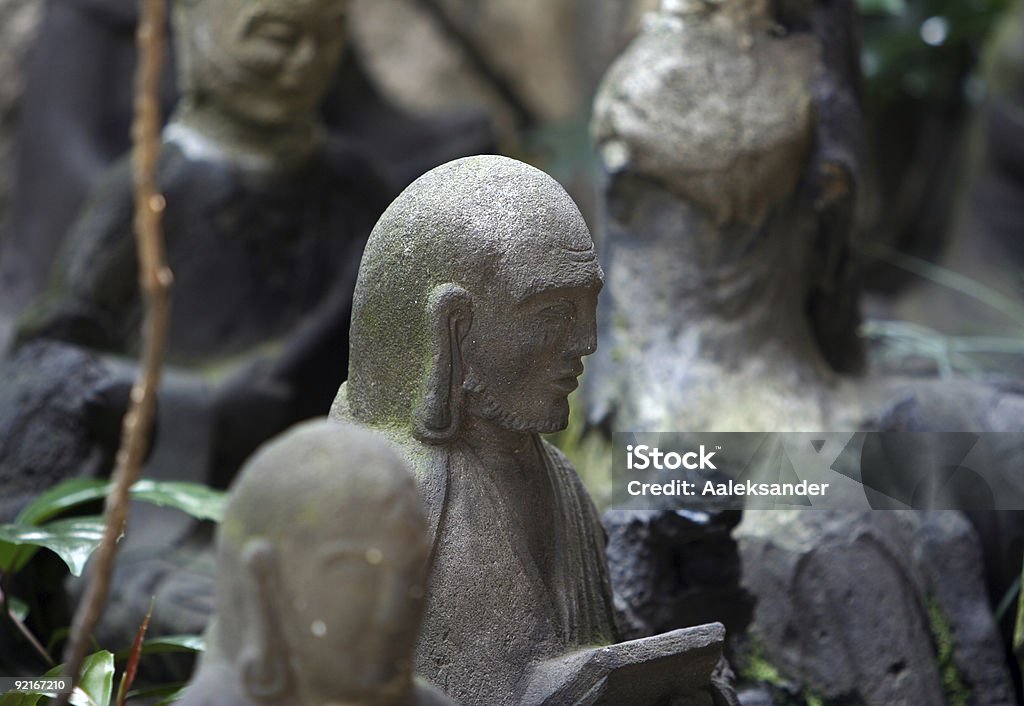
552 418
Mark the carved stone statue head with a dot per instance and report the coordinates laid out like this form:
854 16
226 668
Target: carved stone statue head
322 556
264 63
476 298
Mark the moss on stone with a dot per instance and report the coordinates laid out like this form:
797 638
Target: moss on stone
953 685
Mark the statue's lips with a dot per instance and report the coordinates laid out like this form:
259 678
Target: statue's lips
567 382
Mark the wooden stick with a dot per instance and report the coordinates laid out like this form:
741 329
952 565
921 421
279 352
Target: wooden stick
155 283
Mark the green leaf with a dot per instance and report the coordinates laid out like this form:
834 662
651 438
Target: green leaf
61 497
95 688
73 540
193 498
97 683
168 643
196 499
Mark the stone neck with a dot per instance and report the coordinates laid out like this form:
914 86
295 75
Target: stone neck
206 134
716 292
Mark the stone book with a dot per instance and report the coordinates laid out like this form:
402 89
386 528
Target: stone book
662 669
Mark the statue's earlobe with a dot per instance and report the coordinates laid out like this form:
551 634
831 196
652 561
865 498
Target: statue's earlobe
449 316
263 660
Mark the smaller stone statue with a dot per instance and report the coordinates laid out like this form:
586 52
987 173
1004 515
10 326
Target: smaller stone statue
322 562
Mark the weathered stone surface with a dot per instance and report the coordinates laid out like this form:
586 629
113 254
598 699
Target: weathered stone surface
672 568
635 672
728 219
58 419
848 603
322 560
73 123
474 307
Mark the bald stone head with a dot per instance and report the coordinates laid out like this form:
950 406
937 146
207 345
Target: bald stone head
476 297
322 560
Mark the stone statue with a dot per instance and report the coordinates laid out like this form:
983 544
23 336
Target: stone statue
474 307
732 305
266 218
322 562
741 180
77 102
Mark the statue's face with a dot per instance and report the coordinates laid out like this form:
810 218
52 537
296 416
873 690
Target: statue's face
356 647
264 62
523 353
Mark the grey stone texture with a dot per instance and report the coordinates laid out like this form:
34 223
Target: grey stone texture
474 307
58 420
322 561
671 568
728 201
848 603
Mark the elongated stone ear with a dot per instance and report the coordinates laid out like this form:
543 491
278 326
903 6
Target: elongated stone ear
449 315
263 660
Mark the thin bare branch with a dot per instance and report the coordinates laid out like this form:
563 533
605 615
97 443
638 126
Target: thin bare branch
155 282
21 627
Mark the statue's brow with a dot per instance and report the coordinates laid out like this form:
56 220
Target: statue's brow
536 292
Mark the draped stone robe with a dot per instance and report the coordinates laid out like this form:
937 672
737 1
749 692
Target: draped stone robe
494 607
491 608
